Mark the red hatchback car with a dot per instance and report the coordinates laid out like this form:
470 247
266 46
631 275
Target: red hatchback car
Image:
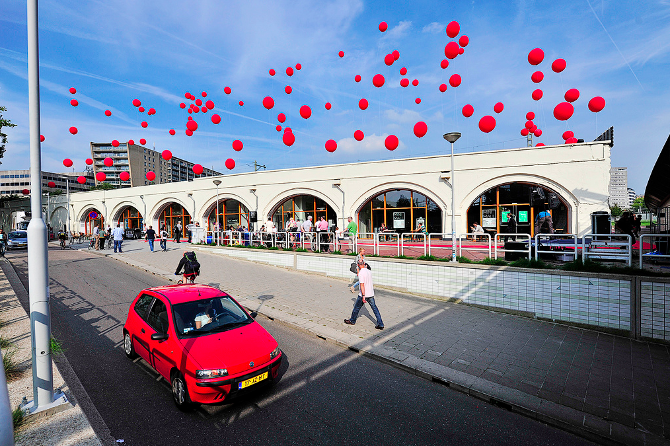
200 340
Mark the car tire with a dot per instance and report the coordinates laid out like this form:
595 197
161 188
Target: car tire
128 348
180 392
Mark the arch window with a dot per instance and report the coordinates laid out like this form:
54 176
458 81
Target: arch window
172 214
93 218
230 214
130 218
300 207
400 210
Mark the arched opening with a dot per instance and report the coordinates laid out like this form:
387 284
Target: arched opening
130 218
93 218
400 210
525 200
300 207
172 214
229 214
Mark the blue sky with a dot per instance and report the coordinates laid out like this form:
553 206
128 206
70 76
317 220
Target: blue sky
115 51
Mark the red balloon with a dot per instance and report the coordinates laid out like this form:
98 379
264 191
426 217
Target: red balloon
192 125
73 130
443 88
341 54
396 54
529 124
131 142
487 123
404 82
298 66
51 184
182 105
191 97
524 131
108 113
281 117
463 41
81 180
73 90
305 112
378 80
25 191
67 162
572 140
537 133
389 59
89 161
108 162
187 95
383 26
596 104
537 77
563 111
209 104
468 110
537 94
539 144
558 65
143 141
289 71
115 143
152 111
100 176
331 145
533 128
195 109
420 129
198 102
42 138
453 28
279 128
227 90
215 119
568 134
204 94
415 82
444 64
288 89
461 51
230 164
167 155
287 129
74 102
357 78
499 107
268 102
328 105
197 169
288 138
151 176
455 80
358 135
144 124
141 109
204 109
391 142
136 102
124 176
417 100
272 72
237 145
363 104
241 103
571 95
403 71
530 116
451 50
536 56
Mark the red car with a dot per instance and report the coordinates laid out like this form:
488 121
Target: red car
200 340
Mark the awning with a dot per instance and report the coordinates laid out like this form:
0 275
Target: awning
657 193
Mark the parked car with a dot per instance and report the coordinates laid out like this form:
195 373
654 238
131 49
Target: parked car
17 240
201 341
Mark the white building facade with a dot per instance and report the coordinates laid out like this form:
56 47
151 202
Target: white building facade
618 188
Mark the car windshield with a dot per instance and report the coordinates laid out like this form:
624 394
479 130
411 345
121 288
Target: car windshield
206 316
18 234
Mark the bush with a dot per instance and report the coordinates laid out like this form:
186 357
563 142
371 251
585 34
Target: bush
339 253
273 248
490 261
300 250
532 263
17 418
432 258
56 346
461 259
10 365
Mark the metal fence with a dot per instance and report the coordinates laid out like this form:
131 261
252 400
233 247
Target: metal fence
525 237
574 245
607 247
654 252
434 245
413 238
470 248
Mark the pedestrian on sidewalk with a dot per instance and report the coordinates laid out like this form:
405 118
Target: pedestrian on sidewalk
151 236
177 233
164 238
367 294
354 269
117 233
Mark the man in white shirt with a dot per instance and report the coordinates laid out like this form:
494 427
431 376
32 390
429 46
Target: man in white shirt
117 234
95 237
307 225
367 294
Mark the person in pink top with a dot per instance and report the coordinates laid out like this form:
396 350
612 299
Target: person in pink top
367 294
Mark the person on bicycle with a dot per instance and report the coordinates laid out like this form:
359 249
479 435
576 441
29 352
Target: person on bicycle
3 242
62 236
191 267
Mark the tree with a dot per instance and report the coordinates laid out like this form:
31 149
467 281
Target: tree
3 136
616 211
638 204
104 186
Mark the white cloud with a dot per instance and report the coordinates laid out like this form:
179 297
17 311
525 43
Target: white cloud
433 28
403 117
371 143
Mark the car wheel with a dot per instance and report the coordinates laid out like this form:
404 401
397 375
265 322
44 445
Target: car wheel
128 346
180 392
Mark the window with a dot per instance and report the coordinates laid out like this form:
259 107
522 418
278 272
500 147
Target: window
157 318
142 305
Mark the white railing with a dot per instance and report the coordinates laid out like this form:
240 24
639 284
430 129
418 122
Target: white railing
474 235
442 237
525 237
326 240
412 236
550 236
652 254
607 249
388 239
367 240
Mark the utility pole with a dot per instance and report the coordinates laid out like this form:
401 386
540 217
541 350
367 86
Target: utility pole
258 166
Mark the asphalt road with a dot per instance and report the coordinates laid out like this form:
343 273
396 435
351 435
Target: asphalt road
327 395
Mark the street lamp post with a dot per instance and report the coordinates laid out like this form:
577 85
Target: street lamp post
216 212
452 138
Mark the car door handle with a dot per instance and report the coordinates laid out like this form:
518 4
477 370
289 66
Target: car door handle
143 331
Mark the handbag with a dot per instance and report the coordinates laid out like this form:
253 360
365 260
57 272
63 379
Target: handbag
353 268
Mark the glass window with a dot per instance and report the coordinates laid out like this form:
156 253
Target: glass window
398 199
142 305
157 318
419 199
207 316
378 201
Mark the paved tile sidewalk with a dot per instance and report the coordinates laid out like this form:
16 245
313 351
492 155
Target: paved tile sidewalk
581 379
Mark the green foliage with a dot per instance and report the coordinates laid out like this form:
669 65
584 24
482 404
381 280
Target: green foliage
404 257
638 203
3 136
532 263
5 343
18 417
339 253
300 250
273 248
56 346
616 211
496 262
104 186
9 364
461 259
432 258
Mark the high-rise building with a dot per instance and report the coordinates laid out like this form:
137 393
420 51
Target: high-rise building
138 161
618 187
14 182
631 197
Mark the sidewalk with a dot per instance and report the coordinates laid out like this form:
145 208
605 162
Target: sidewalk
608 388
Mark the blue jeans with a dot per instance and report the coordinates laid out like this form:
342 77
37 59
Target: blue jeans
151 244
164 245
359 304
117 244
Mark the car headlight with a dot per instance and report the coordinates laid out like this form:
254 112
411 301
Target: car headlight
215 373
274 353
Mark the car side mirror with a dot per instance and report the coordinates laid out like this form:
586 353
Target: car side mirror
159 336
253 314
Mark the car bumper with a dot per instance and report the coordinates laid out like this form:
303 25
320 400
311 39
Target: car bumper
214 391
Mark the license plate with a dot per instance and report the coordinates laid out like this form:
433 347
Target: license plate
254 380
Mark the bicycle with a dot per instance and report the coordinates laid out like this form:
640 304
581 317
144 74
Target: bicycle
62 243
188 279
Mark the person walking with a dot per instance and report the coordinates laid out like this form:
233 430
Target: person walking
511 226
96 230
359 257
164 238
151 236
102 236
117 233
177 232
367 294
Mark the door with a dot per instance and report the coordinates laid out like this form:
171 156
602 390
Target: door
141 330
160 350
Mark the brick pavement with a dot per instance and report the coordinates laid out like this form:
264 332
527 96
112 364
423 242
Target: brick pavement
597 384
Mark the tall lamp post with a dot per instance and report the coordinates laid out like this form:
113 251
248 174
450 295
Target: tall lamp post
452 137
216 212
